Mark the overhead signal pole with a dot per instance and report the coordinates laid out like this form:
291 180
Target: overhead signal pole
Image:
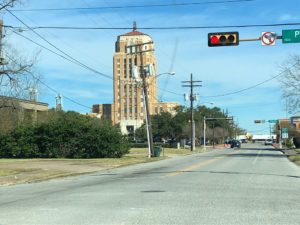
191 84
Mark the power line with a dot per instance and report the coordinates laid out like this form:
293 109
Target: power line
158 28
253 86
242 90
71 59
133 6
52 89
57 92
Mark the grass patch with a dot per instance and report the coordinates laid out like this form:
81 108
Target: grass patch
13 171
297 150
295 159
7 172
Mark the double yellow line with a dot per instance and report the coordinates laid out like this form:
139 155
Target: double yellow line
197 166
194 167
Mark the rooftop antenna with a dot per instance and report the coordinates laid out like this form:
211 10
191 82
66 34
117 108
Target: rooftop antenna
134 28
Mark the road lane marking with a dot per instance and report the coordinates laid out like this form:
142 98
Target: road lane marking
254 161
194 167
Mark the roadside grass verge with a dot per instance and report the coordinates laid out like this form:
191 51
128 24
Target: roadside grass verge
14 171
295 158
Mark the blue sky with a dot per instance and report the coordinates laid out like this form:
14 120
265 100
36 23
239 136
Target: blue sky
222 70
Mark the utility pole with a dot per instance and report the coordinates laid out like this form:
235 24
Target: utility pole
143 73
191 84
148 119
204 133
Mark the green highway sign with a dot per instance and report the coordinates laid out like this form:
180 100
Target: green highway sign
272 121
285 133
291 36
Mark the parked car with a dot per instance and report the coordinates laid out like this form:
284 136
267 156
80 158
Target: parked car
268 142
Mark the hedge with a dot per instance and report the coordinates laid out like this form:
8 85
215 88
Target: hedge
65 135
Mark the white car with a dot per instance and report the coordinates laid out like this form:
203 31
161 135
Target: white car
268 142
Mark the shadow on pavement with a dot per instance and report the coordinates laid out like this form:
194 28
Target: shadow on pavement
138 174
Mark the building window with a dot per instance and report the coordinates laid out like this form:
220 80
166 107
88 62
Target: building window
125 67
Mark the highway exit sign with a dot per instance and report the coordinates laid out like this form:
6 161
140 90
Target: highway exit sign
291 36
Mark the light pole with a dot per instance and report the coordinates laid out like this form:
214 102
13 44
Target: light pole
148 119
168 73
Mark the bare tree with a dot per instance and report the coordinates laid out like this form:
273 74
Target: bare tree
16 71
290 83
17 74
17 77
7 4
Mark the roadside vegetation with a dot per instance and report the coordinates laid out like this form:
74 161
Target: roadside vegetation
295 158
16 171
65 135
174 127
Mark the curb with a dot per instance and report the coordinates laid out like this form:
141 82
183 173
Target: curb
287 152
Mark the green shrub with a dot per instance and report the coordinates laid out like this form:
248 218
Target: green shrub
67 135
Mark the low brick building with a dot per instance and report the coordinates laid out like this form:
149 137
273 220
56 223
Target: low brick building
16 111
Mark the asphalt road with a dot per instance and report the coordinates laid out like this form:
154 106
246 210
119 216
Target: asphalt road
252 185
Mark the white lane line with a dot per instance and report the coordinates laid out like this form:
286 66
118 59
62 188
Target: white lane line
254 161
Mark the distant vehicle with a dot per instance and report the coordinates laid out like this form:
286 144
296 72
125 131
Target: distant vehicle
268 142
244 140
235 143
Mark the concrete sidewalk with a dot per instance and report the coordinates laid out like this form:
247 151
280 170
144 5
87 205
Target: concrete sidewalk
287 152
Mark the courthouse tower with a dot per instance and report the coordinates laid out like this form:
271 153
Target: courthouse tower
128 108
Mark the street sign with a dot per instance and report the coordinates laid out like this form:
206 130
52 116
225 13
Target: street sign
285 133
268 38
290 36
273 121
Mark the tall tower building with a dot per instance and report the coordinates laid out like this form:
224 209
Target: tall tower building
133 51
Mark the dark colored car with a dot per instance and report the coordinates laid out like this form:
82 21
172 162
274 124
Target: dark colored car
235 144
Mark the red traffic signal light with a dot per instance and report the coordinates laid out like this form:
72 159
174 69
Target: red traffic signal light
223 39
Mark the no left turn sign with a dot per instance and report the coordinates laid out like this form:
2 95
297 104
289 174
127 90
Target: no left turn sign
268 38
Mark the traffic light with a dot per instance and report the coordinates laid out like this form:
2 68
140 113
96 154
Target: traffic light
223 39
259 121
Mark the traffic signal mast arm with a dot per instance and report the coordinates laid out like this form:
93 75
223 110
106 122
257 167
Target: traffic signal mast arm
220 118
230 39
